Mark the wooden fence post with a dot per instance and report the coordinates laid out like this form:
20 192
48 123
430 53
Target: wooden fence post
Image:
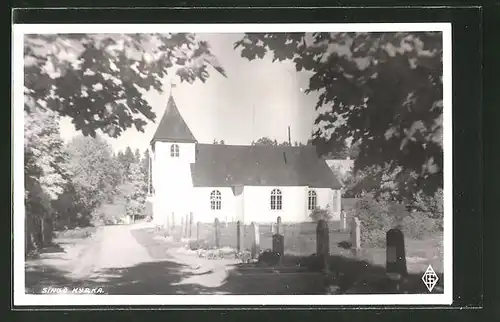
355 236
217 232
239 237
323 244
190 231
255 250
173 221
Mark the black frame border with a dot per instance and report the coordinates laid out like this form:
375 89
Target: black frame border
467 119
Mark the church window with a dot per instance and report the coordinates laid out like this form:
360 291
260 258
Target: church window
276 199
215 200
312 200
174 151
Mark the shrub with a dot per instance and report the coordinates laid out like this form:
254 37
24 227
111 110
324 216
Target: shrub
321 214
430 206
378 216
268 257
376 219
419 225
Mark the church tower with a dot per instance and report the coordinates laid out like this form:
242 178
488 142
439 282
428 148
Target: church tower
172 152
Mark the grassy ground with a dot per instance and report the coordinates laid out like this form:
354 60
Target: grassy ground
300 240
363 274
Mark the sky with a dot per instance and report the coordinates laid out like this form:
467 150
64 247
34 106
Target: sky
258 98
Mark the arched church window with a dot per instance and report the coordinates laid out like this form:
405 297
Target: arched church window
215 200
174 151
276 199
312 200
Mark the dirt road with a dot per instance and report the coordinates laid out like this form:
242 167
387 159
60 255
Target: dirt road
115 258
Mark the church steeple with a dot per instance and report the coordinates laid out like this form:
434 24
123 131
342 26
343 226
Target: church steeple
172 127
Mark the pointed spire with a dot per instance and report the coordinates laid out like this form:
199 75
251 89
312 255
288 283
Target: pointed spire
172 127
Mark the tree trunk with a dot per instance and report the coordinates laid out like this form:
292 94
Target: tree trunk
29 245
47 230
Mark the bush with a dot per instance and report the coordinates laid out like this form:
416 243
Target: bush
378 216
321 214
376 219
431 207
268 257
419 225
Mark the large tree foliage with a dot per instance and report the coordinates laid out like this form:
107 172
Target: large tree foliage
136 197
95 174
265 141
44 171
382 90
146 170
44 157
98 79
127 161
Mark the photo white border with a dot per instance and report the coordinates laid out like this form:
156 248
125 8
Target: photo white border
22 299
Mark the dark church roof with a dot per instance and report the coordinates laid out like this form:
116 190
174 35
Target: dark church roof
231 165
172 127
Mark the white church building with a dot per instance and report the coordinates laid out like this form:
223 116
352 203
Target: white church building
235 182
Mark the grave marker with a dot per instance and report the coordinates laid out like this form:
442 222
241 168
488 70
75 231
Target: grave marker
198 224
355 231
217 232
186 227
166 226
239 237
255 250
323 244
343 220
278 241
182 226
190 232
395 254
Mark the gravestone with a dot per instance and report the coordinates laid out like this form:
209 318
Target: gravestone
239 237
395 254
355 231
166 226
323 244
343 220
255 249
183 223
217 232
278 240
190 231
198 226
186 227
